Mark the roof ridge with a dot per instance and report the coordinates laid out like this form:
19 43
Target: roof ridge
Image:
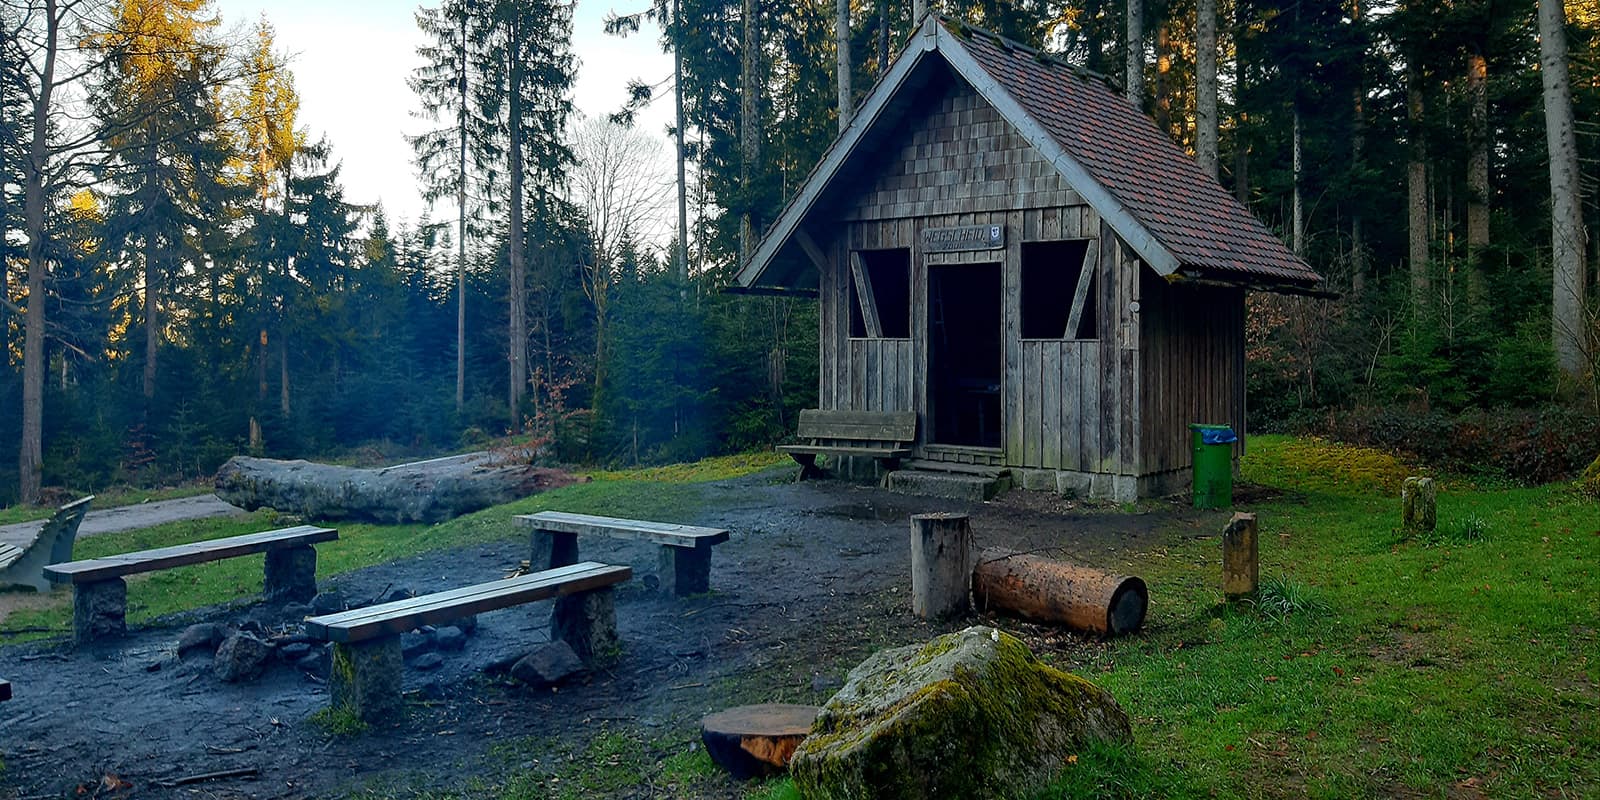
964 29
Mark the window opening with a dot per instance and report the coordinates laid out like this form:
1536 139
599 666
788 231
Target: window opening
880 293
1058 290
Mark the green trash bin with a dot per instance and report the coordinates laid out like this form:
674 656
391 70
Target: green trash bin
1213 465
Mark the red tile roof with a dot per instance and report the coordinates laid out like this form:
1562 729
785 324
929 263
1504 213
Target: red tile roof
1186 210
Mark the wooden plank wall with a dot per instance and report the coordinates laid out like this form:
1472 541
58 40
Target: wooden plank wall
1193 353
1068 405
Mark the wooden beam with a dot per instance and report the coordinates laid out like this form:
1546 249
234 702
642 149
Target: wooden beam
1091 259
812 250
865 298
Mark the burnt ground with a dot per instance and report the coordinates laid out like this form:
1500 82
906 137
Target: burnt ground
815 577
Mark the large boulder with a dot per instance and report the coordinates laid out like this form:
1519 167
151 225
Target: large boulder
971 714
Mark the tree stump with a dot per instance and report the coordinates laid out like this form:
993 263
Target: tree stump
756 741
941 564
1419 505
1241 565
1056 592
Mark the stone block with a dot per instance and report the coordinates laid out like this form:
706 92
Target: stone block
365 679
241 657
549 665
99 609
685 571
291 575
587 622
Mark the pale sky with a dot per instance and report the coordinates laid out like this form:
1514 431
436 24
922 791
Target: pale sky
351 58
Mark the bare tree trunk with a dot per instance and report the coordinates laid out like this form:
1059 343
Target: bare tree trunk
1163 87
283 375
152 325
1297 230
841 42
1241 148
1134 74
883 36
1092 43
677 101
30 459
1566 214
461 224
750 118
1358 144
1416 188
517 344
1205 102
919 8
1477 169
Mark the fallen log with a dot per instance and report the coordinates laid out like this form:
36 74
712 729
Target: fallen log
424 491
1044 590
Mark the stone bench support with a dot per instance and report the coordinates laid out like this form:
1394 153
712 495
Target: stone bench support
99 609
291 575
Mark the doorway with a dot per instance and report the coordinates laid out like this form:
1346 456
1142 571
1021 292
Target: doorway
965 353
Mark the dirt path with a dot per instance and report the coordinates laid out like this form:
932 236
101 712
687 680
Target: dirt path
814 578
129 518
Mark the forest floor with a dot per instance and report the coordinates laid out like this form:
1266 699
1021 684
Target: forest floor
1375 663
813 579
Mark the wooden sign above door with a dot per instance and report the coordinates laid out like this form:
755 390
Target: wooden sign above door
963 237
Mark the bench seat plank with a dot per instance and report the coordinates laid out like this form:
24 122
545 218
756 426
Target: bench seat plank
845 450
99 569
400 616
667 533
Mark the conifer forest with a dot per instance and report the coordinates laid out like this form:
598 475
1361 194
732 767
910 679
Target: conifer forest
184 278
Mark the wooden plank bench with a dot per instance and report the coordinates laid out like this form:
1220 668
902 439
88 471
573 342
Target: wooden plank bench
685 549
100 596
884 435
24 566
367 662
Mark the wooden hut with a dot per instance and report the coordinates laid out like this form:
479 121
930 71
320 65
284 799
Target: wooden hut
1004 245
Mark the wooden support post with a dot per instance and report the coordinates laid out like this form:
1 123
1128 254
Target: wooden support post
941 564
1051 591
1419 505
1241 564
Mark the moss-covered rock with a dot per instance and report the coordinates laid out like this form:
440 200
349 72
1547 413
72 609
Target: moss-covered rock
970 714
1589 481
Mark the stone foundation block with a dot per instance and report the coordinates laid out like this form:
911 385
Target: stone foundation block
291 575
365 679
685 570
588 623
552 549
99 609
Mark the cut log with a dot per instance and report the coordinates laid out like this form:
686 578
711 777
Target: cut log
1044 590
756 741
941 564
425 491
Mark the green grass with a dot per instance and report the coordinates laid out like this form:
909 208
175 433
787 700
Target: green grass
1402 667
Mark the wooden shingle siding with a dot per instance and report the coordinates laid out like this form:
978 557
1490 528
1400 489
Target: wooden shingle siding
960 155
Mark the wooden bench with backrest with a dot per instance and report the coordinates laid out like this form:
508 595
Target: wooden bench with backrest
685 549
367 661
100 596
884 435
24 566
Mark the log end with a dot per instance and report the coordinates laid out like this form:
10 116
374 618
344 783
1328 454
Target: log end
756 741
1128 606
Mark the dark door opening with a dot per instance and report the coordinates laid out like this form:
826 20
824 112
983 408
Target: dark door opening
965 356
